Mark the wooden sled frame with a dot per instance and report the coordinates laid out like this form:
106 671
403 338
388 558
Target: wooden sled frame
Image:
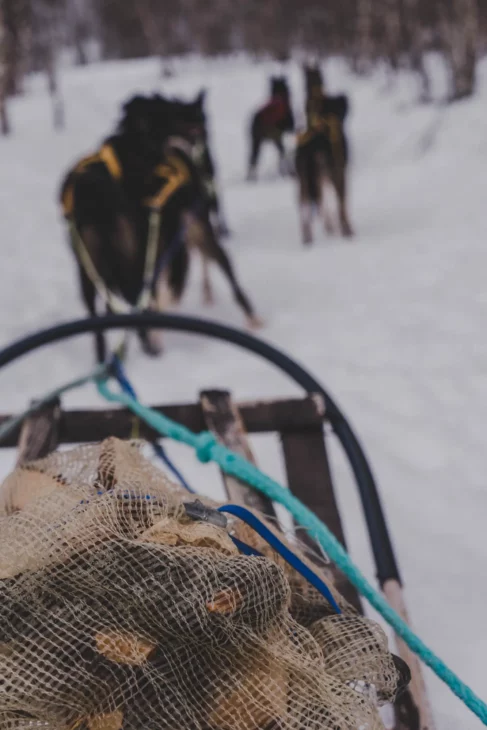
299 424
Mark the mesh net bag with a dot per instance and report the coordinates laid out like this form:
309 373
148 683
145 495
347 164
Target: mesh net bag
120 612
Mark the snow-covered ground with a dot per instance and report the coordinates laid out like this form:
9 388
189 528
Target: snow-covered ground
392 322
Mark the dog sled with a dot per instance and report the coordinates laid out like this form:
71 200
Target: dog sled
304 427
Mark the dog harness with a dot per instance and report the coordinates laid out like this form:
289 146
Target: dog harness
172 174
274 111
106 155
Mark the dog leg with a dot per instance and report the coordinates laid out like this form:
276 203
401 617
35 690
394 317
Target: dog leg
306 215
208 298
340 185
219 255
152 340
283 170
92 240
325 212
196 234
256 143
89 296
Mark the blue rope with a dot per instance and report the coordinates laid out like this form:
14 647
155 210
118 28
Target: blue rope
119 373
244 548
161 452
293 560
208 449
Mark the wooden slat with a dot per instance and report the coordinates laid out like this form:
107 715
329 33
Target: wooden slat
81 426
223 418
39 433
416 708
309 478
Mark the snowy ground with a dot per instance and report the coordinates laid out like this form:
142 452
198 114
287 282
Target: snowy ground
392 323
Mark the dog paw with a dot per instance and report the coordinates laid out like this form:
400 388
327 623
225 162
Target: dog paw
255 323
329 228
152 344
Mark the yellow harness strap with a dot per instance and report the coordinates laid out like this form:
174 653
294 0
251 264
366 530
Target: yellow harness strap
327 124
174 173
305 137
107 156
67 200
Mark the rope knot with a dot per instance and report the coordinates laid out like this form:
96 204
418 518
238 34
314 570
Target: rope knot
204 446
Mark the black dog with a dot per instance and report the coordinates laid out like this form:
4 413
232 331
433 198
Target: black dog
322 155
270 123
190 123
109 200
189 134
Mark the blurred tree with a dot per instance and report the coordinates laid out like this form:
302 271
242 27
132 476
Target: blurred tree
392 21
49 23
364 46
367 32
80 27
459 22
17 21
417 19
4 125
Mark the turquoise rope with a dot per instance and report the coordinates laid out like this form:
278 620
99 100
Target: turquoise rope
208 449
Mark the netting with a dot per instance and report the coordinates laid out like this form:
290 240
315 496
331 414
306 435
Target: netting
118 611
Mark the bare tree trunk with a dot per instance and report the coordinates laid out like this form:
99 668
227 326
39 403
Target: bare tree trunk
79 19
364 42
392 21
53 85
19 36
460 34
415 42
49 24
150 26
4 124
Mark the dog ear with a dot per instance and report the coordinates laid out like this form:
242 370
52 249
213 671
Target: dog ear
135 114
200 98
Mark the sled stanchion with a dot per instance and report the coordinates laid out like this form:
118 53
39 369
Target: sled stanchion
394 594
223 418
386 565
39 434
309 478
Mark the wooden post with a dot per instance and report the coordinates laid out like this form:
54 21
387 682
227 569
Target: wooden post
83 426
417 688
223 418
40 433
309 478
